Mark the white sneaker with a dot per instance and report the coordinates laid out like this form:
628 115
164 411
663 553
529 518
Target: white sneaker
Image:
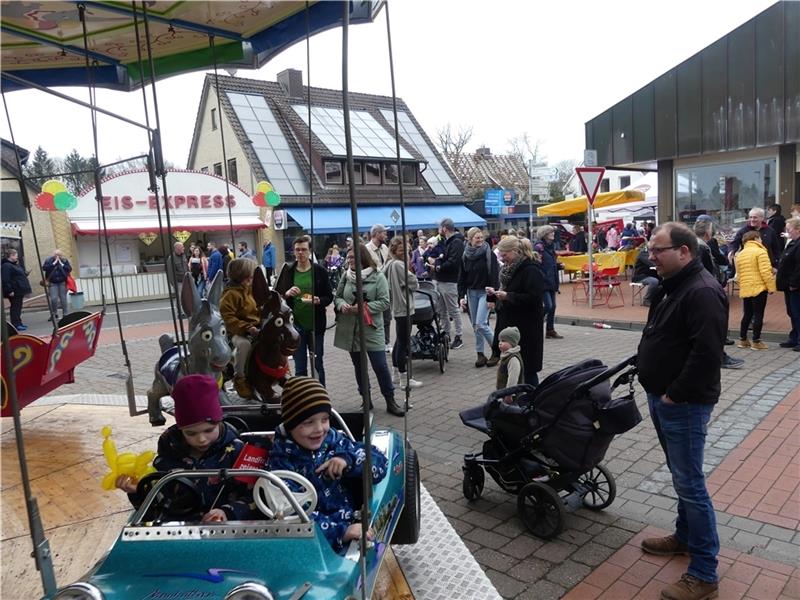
388 347
412 383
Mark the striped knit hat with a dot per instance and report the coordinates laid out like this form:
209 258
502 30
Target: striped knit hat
303 397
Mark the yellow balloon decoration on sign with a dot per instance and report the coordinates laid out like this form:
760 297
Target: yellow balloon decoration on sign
128 463
53 186
264 186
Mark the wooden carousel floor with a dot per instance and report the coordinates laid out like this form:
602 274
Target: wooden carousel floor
65 461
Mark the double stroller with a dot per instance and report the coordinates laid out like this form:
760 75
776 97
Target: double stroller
547 444
429 341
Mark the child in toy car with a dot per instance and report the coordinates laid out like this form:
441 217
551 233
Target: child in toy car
306 444
200 439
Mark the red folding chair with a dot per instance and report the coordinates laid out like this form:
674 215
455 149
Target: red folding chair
607 283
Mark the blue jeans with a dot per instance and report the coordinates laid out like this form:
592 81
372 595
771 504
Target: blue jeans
681 430
377 359
793 310
479 317
58 295
301 355
549 302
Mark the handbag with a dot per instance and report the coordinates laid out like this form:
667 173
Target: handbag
72 287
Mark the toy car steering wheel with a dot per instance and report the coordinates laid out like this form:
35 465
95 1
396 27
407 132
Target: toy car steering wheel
272 501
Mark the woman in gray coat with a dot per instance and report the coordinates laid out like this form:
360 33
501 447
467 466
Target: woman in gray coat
349 320
400 279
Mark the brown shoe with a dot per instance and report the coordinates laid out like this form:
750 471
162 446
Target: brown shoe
481 362
758 345
493 360
743 343
242 388
690 588
664 546
554 335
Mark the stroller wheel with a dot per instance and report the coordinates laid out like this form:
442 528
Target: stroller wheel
474 478
441 356
541 509
601 488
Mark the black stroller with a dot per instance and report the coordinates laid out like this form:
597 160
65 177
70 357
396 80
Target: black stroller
430 341
550 440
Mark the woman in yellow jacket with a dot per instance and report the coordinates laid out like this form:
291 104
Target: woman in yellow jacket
755 282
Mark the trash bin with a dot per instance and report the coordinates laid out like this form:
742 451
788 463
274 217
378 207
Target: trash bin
76 300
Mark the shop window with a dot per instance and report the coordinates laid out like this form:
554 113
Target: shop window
390 175
358 173
218 169
213 119
409 174
604 185
372 173
204 169
624 181
233 175
333 172
724 191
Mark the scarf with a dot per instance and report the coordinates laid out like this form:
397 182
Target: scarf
472 253
351 274
508 270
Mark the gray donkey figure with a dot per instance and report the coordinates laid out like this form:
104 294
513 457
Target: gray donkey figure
208 352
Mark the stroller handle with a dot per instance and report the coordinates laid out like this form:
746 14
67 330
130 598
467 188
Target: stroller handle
511 391
607 374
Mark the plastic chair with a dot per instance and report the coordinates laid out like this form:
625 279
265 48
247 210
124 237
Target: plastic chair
607 283
636 292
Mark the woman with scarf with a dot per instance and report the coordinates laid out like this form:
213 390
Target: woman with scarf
545 246
348 321
519 304
479 271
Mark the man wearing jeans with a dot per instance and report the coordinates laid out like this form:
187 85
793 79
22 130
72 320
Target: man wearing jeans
680 357
446 274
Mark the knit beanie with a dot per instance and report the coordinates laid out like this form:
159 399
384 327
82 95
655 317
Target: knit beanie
303 397
196 400
510 335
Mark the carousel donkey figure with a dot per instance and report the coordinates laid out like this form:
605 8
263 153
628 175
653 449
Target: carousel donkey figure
208 349
267 366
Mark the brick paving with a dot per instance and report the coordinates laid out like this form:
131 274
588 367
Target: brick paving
520 565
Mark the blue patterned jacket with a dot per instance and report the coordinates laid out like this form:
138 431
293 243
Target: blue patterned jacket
335 509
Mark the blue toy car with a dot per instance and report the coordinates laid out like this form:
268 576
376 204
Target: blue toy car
282 556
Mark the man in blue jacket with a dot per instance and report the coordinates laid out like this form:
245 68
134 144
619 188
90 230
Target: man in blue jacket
214 261
56 268
268 259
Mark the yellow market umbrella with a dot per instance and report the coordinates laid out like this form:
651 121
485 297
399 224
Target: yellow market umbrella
574 206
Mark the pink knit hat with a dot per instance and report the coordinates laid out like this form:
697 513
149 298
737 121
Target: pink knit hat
196 400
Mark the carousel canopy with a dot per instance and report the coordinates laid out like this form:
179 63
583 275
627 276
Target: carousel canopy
43 43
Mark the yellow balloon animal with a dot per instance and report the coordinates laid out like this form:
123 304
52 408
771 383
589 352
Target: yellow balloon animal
126 463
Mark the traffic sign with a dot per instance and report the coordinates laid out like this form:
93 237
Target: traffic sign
395 216
590 158
590 178
548 173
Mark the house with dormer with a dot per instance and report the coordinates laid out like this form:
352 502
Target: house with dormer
294 137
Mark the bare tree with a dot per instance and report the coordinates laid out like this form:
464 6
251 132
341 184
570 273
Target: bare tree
452 143
566 171
524 148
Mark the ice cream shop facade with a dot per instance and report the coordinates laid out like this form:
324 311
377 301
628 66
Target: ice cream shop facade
201 207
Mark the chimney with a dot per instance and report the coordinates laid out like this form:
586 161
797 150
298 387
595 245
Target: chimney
291 82
483 151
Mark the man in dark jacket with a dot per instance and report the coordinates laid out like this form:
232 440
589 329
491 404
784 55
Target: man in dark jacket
214 261
15 287
679 361
56 268
549 266
776 220
446 274
177 266
755 222
307 290
788 281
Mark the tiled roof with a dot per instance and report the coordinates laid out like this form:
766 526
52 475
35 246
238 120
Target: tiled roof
296 132
9 159
478 171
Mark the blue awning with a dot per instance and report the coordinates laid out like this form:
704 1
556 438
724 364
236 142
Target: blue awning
336 219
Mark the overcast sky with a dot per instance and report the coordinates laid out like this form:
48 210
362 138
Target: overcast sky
504 68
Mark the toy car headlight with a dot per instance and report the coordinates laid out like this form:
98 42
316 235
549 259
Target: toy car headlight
79 591
249 591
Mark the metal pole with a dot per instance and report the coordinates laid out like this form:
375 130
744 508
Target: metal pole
591 264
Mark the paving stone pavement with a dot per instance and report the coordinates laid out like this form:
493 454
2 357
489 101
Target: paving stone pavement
520 565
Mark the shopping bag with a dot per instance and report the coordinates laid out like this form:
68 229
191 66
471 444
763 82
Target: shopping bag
71 285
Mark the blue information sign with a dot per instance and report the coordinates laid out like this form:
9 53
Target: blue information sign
493 201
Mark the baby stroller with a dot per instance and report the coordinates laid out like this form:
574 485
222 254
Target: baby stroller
430 341
546 446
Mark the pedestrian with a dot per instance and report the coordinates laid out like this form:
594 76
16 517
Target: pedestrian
177 267
756 222
578 242
56 269
788 281
679 362
268 259
519 304
350 320
755 283
418 259
446 274
776 220
242 319
479 270
599 236
433 255
15 287
644 272
214 262
545 246
227 257
511 369
198 267
401 281
307 290
380 254
245 252
612 237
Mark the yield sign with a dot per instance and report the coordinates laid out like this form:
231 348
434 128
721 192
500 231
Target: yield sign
590 178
